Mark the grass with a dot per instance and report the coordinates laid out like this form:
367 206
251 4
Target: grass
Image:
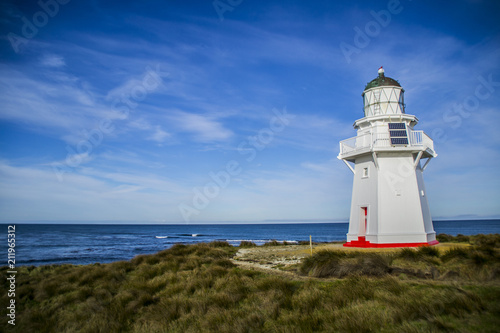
480 239
479 262
245 244
273 243
197 288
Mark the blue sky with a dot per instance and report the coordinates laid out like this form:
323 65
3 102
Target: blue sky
169 111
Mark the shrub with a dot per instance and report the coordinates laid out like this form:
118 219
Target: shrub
219 244
320 264
247 244
453 253
355 288
373 264
491 240
408 254
429 251
479 258
137 260
340 264
274 242
443 238
179 250
369 316
462 238
211 253
225 263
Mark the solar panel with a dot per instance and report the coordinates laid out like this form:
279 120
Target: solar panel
398 134
399 141
400 126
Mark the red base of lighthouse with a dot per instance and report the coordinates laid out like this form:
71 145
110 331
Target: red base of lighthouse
363 243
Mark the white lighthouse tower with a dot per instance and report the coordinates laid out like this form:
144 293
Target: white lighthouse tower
389 205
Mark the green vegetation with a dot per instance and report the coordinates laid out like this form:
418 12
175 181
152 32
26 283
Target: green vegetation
198 289
273 242
343 264
244 244
480 239
479 263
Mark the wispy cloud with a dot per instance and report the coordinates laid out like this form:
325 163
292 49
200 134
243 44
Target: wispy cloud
220 83
159 135
89 195
203 128
34 101
52 60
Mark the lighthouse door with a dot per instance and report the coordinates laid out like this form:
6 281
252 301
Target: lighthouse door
363 221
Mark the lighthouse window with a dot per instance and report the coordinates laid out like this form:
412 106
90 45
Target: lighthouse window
398 134
365 172
376 108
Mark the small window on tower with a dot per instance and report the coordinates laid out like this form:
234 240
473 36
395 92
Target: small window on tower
365 172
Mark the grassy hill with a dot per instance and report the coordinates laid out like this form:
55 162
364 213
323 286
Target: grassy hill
199 288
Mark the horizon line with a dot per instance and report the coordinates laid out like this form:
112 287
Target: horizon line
284 221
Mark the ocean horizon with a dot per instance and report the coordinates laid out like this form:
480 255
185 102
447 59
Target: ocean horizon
79 243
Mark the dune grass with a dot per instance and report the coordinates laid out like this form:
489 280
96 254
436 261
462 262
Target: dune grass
244 244
197 288
479 262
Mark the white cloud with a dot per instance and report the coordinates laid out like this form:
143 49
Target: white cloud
140 123
73 160
52 60
323 168
291 193
159 135
41 104
226 82
31 193
139 179
203 128
314 132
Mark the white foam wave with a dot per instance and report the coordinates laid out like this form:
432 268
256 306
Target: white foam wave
161 237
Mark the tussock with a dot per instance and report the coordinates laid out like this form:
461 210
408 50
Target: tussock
341 264
198 289
245 244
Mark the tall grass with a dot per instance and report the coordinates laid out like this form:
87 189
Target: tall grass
244 244
480 262
198 289
341 264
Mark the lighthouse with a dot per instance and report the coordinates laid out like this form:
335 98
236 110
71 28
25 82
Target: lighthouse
389 206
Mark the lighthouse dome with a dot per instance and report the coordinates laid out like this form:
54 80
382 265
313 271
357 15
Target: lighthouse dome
381 81
383 96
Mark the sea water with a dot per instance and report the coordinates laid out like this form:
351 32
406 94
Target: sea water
39 244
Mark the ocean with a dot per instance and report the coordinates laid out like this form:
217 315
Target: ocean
40 244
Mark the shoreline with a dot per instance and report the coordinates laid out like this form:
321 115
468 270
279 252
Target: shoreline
270 252
71 244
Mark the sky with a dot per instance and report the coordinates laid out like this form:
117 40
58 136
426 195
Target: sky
232 110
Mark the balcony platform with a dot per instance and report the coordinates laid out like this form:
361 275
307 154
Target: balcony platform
368 143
